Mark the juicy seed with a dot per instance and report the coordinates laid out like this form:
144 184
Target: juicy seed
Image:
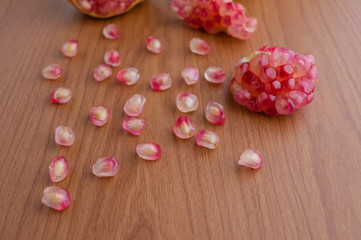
128 76
149 151
70 48
102 72
215 75
56 198
99 115
187 102
60 95
64 136
215 113
199 46
58 168
112 58
161 82
106 167
154 45
251 158
134 106
190 75
207 139
184 128
52 72
111 31
134 125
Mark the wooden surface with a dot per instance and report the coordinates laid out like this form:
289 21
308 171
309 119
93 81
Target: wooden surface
308 188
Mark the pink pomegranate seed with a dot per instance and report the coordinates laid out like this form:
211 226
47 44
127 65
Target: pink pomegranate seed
64 136
70 48
251 158
207 139
215 113
60 95
284 105
106 167
134 106
134 125
112 58
149 151
56 197
53 71
129 76
99 115
184 128
161 81
190 75
187 102
215 75
199 46
58 168
102 72
154 45
111 31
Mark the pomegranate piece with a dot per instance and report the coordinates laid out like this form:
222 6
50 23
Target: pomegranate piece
149 151
215 113
161 82
104 8
112 58
52 72
275 81
184 127
251 158
199 46
99 115
56 198
134 125
154 45
70 48
111 31
187 102
215 75
207 139
216 16
190 75
102 72
58 168
64 136
106 167
128 76
134 106
60 95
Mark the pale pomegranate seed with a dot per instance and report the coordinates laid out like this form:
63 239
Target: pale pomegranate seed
215 75
111 31
70 48
58 168
134 106
102 72
149 151
64 136
128 76
187 102
154 45
60 95
52 72
56 198
184 127
215 113
112 58
199 46
190 75
134 125
106 167
207 139
251 158
161 82
99 115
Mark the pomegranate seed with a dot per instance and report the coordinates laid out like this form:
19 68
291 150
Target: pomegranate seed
70 48
129 76
284 105
53 71
190 75
184 128
106 167
215 75
56 198
99 115
187 102
215 113
154 45
149 151
161 82
64 136
199 46
112 58
111 31
58 168
60 95
251 158
207 139
134 106
134 125
102 72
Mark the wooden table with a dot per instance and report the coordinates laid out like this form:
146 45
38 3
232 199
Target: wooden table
308 188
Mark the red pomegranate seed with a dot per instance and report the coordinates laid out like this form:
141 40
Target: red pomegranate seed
251 158
56 198
111 31
106 167
134 106
207 139
52 72
199 46
184 127
134 125
128 76
60 95
161 82
215 75
149 151
102 72
99 115
154 45
64 136
58 168
70 48
190 75
215 113
112 58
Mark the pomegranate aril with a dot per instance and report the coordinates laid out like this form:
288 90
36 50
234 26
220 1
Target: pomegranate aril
161 82
187 102
70 48
58 168
190 75
267 103
184 127
134 106
207 139
199 46
99 115
60 95
215 75
56 198
53 71
111 31
149 151
251 158
112 58
102 72
215 113
128 76
64 136
134 125
106 167
301 65
284 105
241 96
154 45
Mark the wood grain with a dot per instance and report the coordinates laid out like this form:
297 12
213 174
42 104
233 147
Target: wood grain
308 188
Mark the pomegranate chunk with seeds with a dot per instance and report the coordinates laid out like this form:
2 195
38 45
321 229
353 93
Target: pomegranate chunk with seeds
112 58
190 75
184 127
215 113
134 106
251 158
134 125
187 102
207 139
161 82
58 168
154 45
52 72
102 72
111 31
149 151
215 75
70 48
56 198
128 76
106 167
199 46
64 136
60 95
99 115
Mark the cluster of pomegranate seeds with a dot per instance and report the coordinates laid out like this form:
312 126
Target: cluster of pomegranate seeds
102 72
154 45
215 113
216 16
161 82
111 31
60 95
112 58
70 48
184 127
134 125
134 106
199 46
99 115
58 168
274 80
207 139
56 198
128 76
251 158
149 151
52 72
64 136
190 75
106 167
215 75
187 102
